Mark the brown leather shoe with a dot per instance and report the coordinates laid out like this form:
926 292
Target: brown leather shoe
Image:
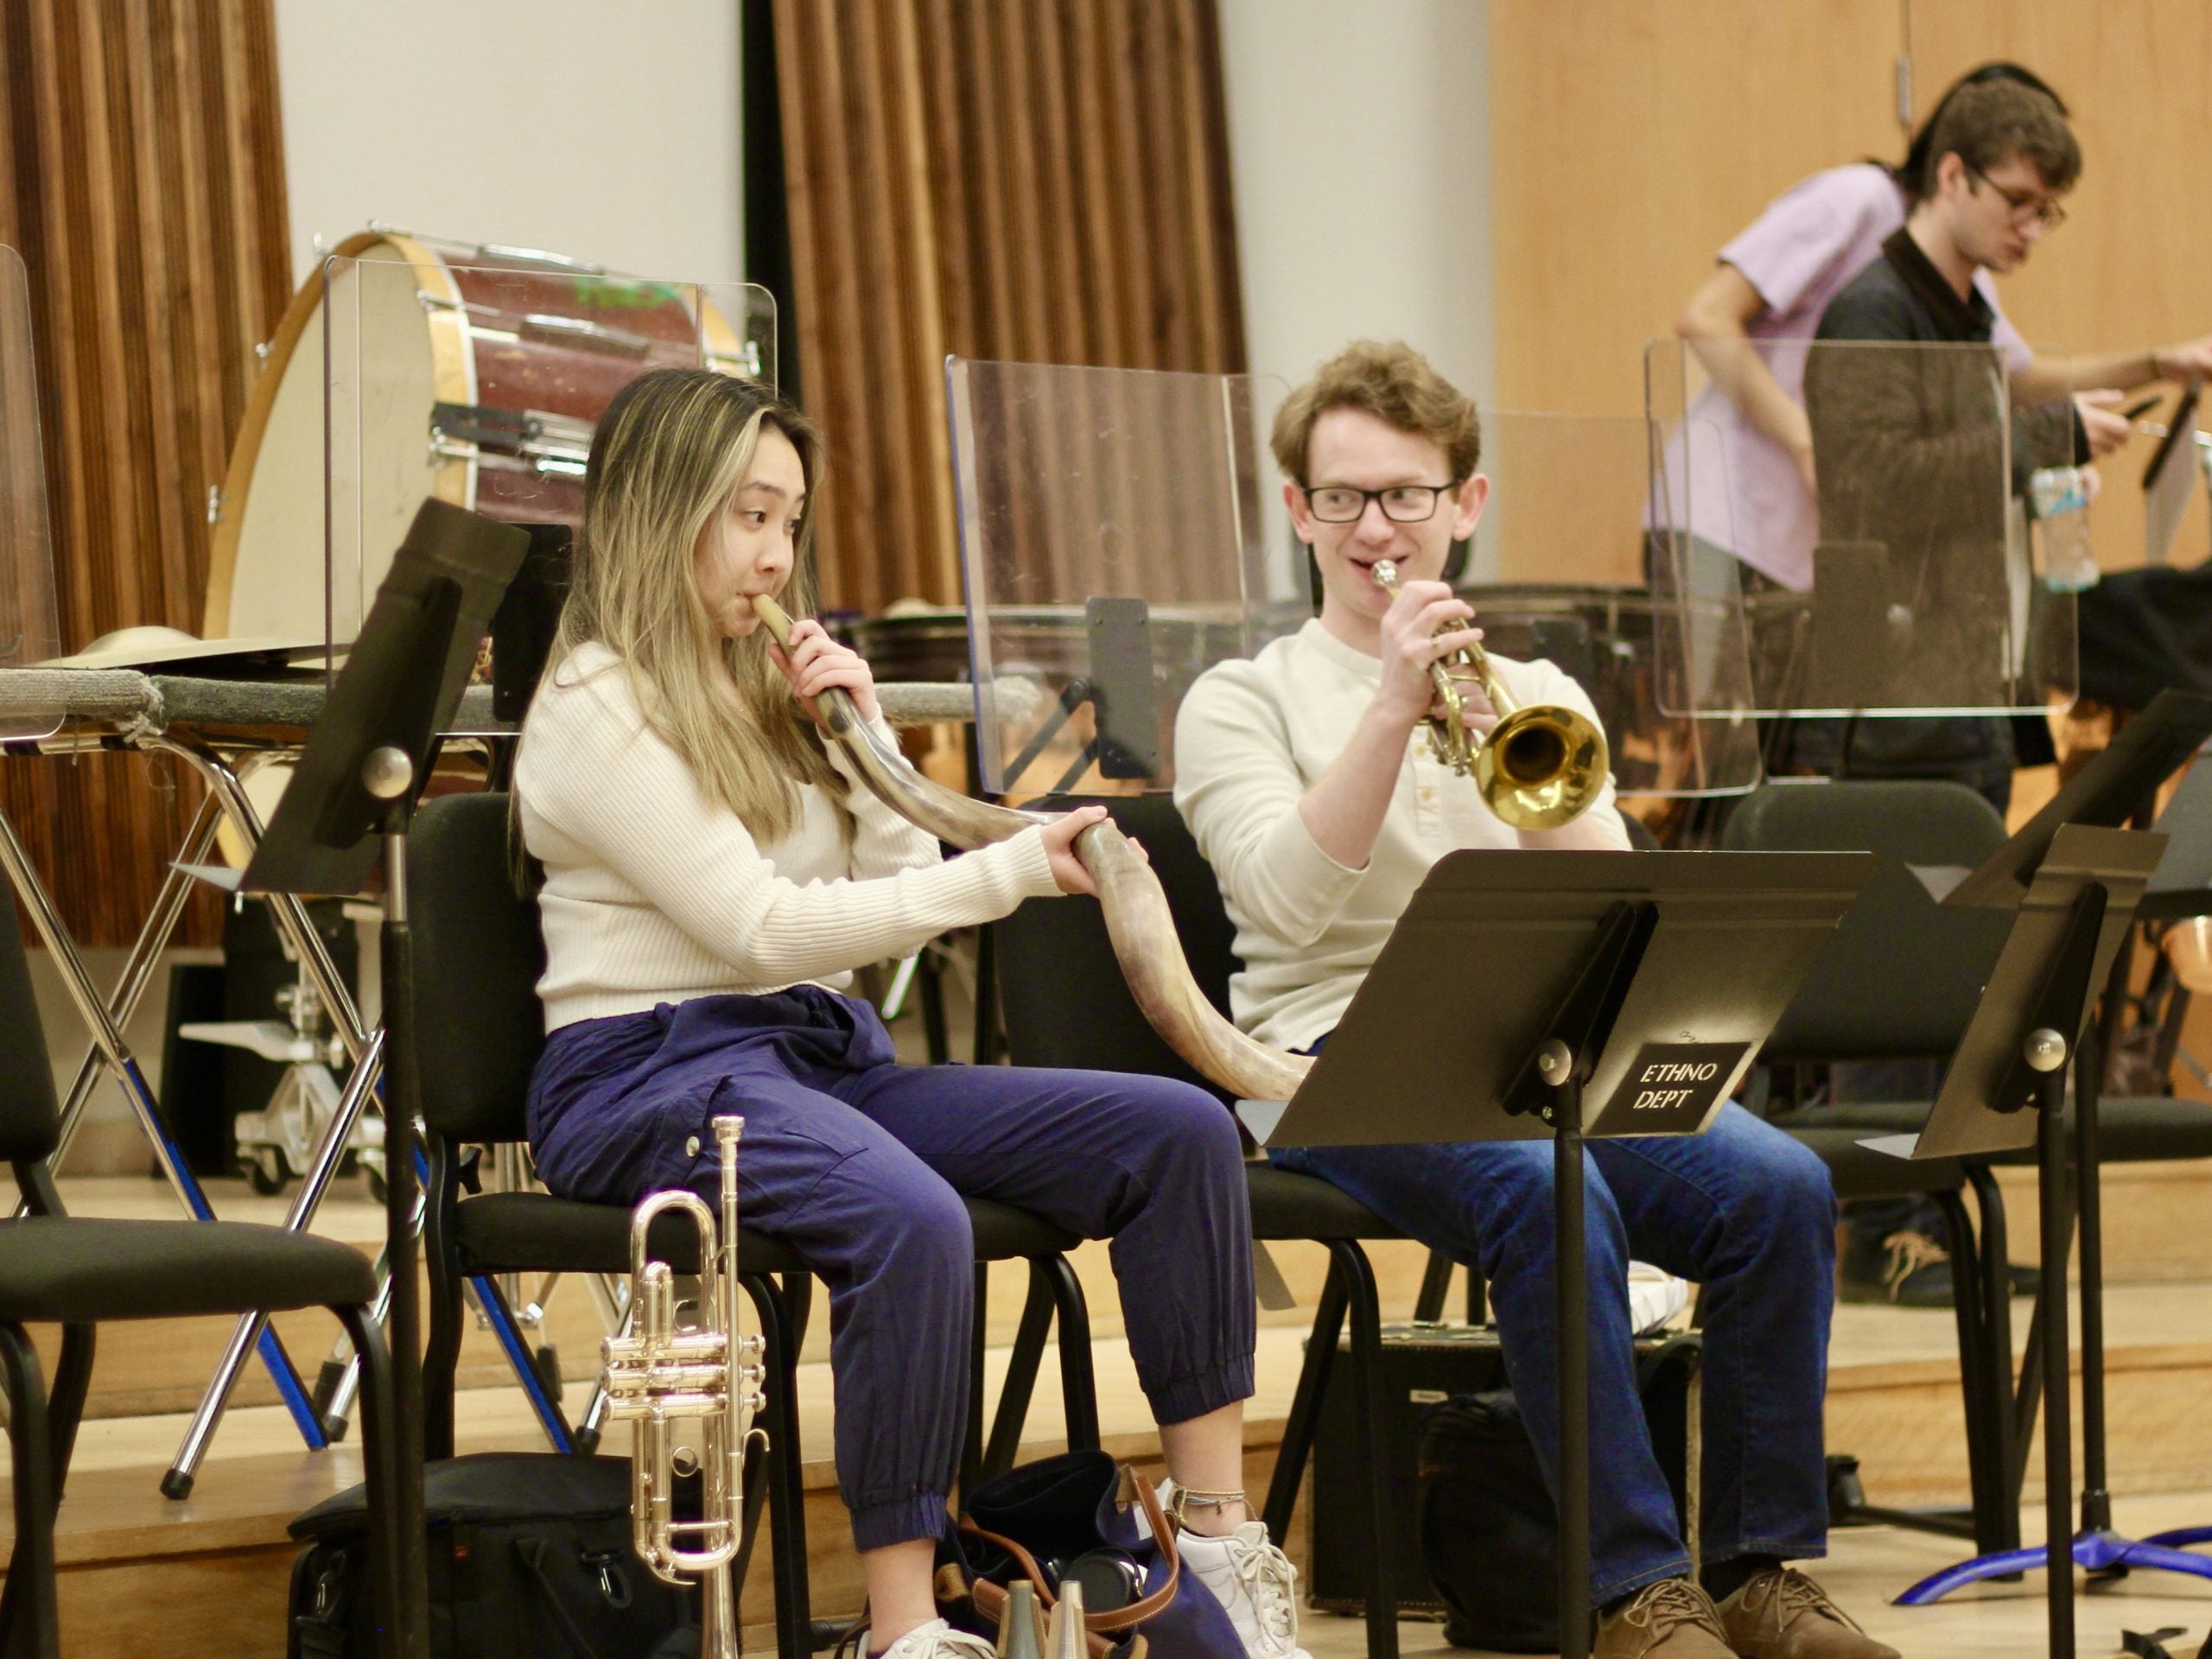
1780 1614
1671 1619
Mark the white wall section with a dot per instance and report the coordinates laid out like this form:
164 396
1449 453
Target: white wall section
606 132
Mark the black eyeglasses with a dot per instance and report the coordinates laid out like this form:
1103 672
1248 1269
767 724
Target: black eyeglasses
2028 208
1402 504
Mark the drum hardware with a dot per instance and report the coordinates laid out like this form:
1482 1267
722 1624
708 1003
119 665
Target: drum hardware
488 249
662 1375
584 335
1540 767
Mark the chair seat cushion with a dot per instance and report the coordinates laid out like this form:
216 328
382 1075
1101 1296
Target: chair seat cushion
62 1268
1861 1171
513 1232
1285 1205
2131 1128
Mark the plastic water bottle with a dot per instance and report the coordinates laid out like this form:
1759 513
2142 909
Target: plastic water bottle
2060 496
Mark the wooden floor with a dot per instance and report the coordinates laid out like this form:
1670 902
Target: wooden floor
144 1575
1866 1566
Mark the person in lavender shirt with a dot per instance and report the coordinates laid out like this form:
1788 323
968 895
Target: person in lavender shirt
1750 323
1769 286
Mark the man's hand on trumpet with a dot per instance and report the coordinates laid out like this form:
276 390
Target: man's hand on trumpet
1418 630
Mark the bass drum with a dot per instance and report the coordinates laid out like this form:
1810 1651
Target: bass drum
481 373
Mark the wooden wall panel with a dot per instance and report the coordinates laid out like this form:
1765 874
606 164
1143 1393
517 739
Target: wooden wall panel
1631 139
1042 181
145 189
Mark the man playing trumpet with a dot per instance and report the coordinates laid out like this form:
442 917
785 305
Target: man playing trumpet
1321 807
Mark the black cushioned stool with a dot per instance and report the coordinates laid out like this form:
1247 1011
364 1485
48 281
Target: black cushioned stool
479 1029
56 1269
1066 1004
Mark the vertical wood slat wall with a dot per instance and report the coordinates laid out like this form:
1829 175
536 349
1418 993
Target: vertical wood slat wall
1035 180
142 179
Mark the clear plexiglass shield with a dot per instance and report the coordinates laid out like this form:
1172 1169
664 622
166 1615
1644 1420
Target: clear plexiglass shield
1563 565
1116 541
1122 531
480 383
30 628
1898 567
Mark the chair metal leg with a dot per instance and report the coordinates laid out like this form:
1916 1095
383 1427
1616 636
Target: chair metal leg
31 1617
1078 1387
1306 1407
379 1472
971 1429
1995 1262
787 1501
1365 1307
65 1409
442 1309
1022 1366
1435 1286
1982 1398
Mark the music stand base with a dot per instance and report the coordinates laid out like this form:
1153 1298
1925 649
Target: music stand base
2094 1551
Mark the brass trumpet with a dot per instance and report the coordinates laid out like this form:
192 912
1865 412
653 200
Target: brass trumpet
660 1374
1541 766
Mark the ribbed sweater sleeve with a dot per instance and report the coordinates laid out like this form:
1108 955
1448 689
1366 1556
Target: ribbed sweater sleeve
604 796
1238 787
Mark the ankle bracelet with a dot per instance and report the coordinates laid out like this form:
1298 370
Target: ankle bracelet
1183 1497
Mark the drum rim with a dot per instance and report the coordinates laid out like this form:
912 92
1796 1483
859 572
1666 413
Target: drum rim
261 402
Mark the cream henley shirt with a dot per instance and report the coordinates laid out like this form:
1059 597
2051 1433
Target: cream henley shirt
1250 739
655 895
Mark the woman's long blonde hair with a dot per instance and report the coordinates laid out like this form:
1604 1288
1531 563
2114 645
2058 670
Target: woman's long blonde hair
669 454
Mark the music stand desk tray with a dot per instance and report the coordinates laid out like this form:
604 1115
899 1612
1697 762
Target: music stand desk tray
1470 979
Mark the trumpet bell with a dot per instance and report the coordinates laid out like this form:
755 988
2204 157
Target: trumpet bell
1542 766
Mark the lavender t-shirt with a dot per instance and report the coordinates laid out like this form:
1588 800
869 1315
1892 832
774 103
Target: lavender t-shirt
1809 242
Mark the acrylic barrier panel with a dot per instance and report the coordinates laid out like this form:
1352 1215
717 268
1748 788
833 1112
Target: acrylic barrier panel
479 383
29 627
1562 565
1116 540
1901 577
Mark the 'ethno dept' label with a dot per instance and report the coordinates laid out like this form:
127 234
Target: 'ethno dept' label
1670 1088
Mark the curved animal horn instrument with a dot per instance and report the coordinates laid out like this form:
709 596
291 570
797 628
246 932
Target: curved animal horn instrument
659 1375
1540 767
1137 916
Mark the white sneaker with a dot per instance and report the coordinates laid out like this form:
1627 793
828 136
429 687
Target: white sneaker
935 1640
1655 1298
1253 1581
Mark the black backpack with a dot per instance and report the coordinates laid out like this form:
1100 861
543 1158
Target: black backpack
529 1555
1488 1529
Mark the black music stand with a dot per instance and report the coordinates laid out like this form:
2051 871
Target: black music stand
350 798
1644 983
2074 916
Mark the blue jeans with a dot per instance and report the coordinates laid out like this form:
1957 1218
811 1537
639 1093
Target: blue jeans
1746 1211
859 1164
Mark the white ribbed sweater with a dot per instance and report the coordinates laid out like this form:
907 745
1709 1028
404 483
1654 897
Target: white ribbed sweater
654 894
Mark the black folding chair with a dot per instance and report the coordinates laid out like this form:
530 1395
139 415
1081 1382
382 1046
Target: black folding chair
478 1031
57 1269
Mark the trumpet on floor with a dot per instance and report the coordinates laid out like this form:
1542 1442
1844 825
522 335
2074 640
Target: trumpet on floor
661 1377
1540 767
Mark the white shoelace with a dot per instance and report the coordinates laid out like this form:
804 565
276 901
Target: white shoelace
1267 1575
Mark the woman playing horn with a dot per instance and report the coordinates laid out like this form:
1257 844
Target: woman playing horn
713 877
